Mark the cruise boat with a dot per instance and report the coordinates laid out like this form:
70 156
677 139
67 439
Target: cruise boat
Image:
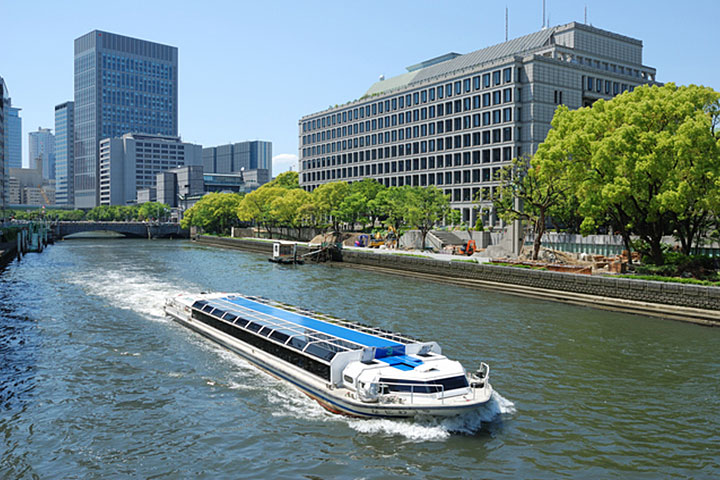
347 367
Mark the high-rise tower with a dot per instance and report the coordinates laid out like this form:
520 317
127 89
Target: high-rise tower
122 85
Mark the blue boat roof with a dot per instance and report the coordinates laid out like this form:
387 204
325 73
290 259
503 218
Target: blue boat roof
280 323
318 325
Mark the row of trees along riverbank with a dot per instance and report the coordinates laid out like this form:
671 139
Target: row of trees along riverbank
335 205
102 213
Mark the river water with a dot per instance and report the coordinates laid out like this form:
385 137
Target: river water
95 382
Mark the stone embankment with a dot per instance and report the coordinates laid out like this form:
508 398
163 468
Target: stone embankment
689 303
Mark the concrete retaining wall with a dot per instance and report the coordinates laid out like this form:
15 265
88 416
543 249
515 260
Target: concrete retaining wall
693 296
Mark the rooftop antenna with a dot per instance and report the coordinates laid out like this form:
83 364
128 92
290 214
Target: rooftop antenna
506 23
585 14
543 17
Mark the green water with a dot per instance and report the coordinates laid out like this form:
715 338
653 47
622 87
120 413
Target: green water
95 382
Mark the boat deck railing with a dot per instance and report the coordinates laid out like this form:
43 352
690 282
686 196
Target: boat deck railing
440 390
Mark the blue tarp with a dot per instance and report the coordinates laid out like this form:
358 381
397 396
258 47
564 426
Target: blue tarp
384 347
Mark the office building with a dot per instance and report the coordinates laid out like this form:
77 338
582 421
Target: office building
176 185
131 162
454 121
27 186
41 152
122 85
4 174
237 157
13 136
64 154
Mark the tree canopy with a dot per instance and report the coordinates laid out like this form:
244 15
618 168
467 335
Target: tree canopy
646 161
214 212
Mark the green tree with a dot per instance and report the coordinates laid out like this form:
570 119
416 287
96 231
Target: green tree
425 208
328 198
529 190
214 213
150 211
391 204
286 209
356 207
285 180
647 160
257 206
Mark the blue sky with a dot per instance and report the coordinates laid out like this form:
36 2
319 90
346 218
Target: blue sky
250 70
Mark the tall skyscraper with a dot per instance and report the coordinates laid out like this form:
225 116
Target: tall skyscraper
13 136
41 150
122 85
64 154
3 166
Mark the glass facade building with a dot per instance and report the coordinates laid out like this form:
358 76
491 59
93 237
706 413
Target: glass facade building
236 157
64 154
122 85
13 137
41 152
4 100
455 121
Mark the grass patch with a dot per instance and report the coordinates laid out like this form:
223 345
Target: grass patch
409 255
659 278
515 265
466 260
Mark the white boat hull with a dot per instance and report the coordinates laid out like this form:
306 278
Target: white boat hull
336 400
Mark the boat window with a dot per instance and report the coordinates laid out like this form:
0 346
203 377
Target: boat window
322 350
218 312
265 331
433 386
207 308
348 379
298 341
254 326
241 322
229 317
279 336
199 304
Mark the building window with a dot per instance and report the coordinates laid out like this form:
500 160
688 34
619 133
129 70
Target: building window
486 80
496 77
507 73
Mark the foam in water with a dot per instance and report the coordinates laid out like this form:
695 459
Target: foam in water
437 429
140 293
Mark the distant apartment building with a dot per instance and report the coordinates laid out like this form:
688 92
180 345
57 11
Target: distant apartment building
41 152
454 121
64 154
13 136
131 163
237 157
122 85
27 186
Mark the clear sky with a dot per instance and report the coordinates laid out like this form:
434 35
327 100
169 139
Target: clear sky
251 69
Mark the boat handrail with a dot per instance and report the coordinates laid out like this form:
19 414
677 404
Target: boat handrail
412 386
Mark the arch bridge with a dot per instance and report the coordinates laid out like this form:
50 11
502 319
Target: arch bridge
129 229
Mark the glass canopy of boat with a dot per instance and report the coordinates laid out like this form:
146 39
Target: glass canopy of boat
321 337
